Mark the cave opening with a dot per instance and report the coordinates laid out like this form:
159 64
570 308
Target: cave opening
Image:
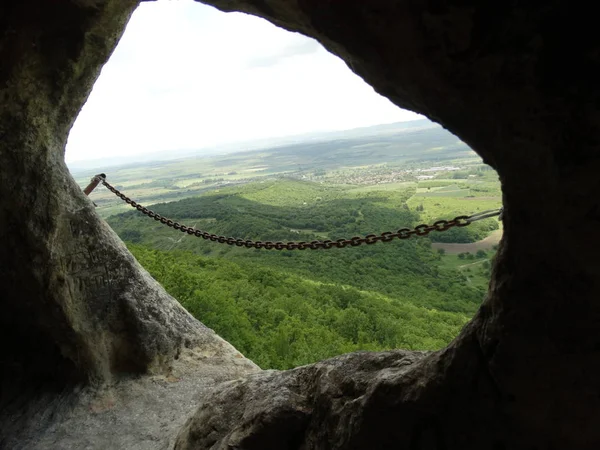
189 88
514 81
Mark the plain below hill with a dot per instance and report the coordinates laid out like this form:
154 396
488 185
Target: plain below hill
401 146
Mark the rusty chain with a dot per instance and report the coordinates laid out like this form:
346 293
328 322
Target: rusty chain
387 236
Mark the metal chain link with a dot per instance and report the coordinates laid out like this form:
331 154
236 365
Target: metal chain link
387 236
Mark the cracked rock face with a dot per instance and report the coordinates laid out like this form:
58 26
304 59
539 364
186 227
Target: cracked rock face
309 407
95 354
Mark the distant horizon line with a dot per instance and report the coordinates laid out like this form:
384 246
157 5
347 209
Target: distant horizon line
111 161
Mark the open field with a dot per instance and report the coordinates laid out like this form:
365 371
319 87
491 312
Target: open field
484 244
387 170
390 157
474 269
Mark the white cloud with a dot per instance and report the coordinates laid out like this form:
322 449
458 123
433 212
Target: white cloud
188 76
305 46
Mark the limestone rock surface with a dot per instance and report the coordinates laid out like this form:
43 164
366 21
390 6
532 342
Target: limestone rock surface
517 81
94 353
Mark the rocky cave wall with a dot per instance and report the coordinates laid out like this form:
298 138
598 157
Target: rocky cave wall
517 81
77 310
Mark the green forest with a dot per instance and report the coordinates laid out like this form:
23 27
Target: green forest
280 320
288 308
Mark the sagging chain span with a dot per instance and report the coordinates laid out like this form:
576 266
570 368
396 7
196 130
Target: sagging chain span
387 236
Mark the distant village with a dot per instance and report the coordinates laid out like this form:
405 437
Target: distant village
377 175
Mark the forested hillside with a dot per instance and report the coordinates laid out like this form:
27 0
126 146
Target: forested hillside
288 308
303 211
280 320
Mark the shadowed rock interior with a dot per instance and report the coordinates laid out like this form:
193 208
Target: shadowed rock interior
91 345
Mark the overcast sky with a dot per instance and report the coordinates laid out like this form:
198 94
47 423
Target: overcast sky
187 76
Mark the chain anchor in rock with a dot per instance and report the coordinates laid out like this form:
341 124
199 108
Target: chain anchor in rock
95 181
386 236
